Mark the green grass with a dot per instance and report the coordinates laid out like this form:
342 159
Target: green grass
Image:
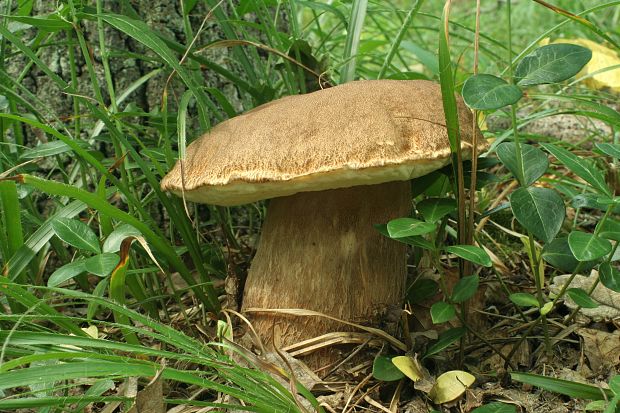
101 164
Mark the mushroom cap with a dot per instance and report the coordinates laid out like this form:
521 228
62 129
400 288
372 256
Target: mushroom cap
359 133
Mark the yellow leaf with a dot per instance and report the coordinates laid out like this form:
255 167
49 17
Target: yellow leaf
409 366
450 386
91 331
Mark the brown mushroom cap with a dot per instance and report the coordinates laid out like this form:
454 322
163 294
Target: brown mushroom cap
358 133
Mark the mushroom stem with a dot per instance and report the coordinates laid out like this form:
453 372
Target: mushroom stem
319 251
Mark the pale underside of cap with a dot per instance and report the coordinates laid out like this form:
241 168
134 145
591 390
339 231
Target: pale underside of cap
359 133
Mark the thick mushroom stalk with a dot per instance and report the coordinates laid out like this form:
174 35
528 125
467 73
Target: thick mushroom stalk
319 251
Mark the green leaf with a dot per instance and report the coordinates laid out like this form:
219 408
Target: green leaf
421 290
610 229
559 255
581 298
114 240
583 168
496 407
471 253
539 210
568 388
524 300
611 149
465 288
101 265
416 241
488 92
588 247
609 276
445 340
76 233
383 369
66 272
48 149
551 64
433 209
354 31
442 312
409 227
535 161
49 23
614 384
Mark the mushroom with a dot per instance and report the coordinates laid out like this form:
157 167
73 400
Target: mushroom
333 163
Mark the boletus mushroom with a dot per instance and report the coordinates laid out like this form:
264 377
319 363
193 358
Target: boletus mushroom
332 163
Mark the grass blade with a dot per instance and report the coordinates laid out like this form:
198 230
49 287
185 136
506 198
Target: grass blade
356 23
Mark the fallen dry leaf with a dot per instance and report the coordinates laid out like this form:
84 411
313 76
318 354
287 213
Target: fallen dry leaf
601 348
151 398
609 300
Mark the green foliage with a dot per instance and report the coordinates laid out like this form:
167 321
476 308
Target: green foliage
82 183
487 92
551 64
383 369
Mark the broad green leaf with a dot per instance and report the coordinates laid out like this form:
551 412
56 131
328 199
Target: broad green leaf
611 149
442 312
568 388
614 384
588 247
559 255
66 272
539 210
471 253
76 233
524 299
445 340
581 298
416 241
465 288
610 229
488 92
609 276
383 369
450 385
433 209
101 265
551 64
409 227
535 162
496 407
583 168
421 290
593 201
114 240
